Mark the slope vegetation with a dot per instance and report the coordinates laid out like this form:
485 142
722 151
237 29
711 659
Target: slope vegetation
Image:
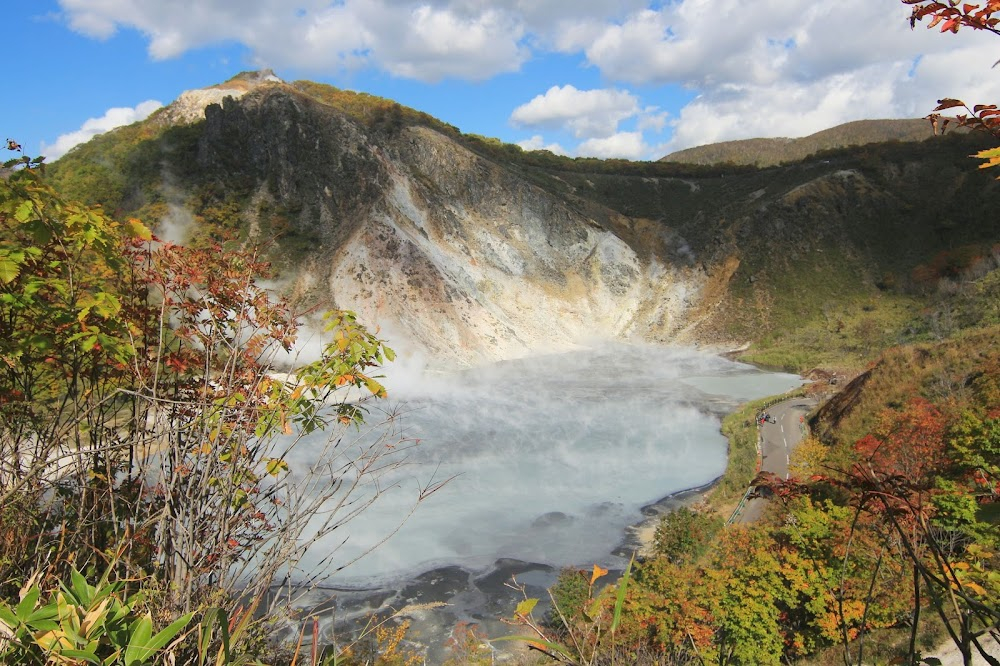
771 152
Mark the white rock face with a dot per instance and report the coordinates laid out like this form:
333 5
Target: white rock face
466 281
189 107
451 255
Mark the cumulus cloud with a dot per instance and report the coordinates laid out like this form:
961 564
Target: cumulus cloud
767 67
426 41
537 142
793 108
791 67
752 111
434 44
626 145
705 43
652 118
113 118
587 113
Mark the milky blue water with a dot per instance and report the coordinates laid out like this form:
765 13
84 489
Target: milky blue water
550 458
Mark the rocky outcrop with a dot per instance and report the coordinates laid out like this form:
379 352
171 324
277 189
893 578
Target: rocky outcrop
449 254
190 105
466 250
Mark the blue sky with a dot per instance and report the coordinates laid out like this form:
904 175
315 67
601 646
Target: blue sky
606 78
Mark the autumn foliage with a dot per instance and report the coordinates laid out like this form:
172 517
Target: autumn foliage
149 400
909 443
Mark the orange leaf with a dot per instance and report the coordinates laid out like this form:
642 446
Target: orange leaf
948 103
598 572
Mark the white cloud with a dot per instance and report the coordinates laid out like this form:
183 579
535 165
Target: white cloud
704 43
426 41
791 67
113 118
433 44
652 118
627 145
763 68
537 142
796 108
586 113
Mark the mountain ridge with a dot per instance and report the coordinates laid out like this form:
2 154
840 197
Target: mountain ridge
479 250
774 151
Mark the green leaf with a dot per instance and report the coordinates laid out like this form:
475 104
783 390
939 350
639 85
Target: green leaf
10 266
376 389
275 466
136 229
141 631
80 589
27 605
86 655
89 343
40 232
217 616
24 211
45 613
43 625
7 615
620 599
525 607
159 641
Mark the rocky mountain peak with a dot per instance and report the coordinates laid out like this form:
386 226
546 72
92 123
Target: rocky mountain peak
189 107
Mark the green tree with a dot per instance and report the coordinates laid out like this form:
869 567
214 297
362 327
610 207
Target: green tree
744 591
684 534
149 403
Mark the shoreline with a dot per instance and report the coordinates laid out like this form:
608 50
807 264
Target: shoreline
638 537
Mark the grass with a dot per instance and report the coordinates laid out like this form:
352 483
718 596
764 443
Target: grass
942 372
882 646
846 334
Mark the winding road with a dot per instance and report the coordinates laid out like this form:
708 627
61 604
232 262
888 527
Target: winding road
777 441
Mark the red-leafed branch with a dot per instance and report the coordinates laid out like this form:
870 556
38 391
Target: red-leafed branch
952 15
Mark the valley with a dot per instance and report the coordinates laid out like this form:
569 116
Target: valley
564 335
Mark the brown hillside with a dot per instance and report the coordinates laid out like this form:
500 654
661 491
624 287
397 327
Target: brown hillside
770 152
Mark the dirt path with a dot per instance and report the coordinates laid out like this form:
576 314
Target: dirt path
951 656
